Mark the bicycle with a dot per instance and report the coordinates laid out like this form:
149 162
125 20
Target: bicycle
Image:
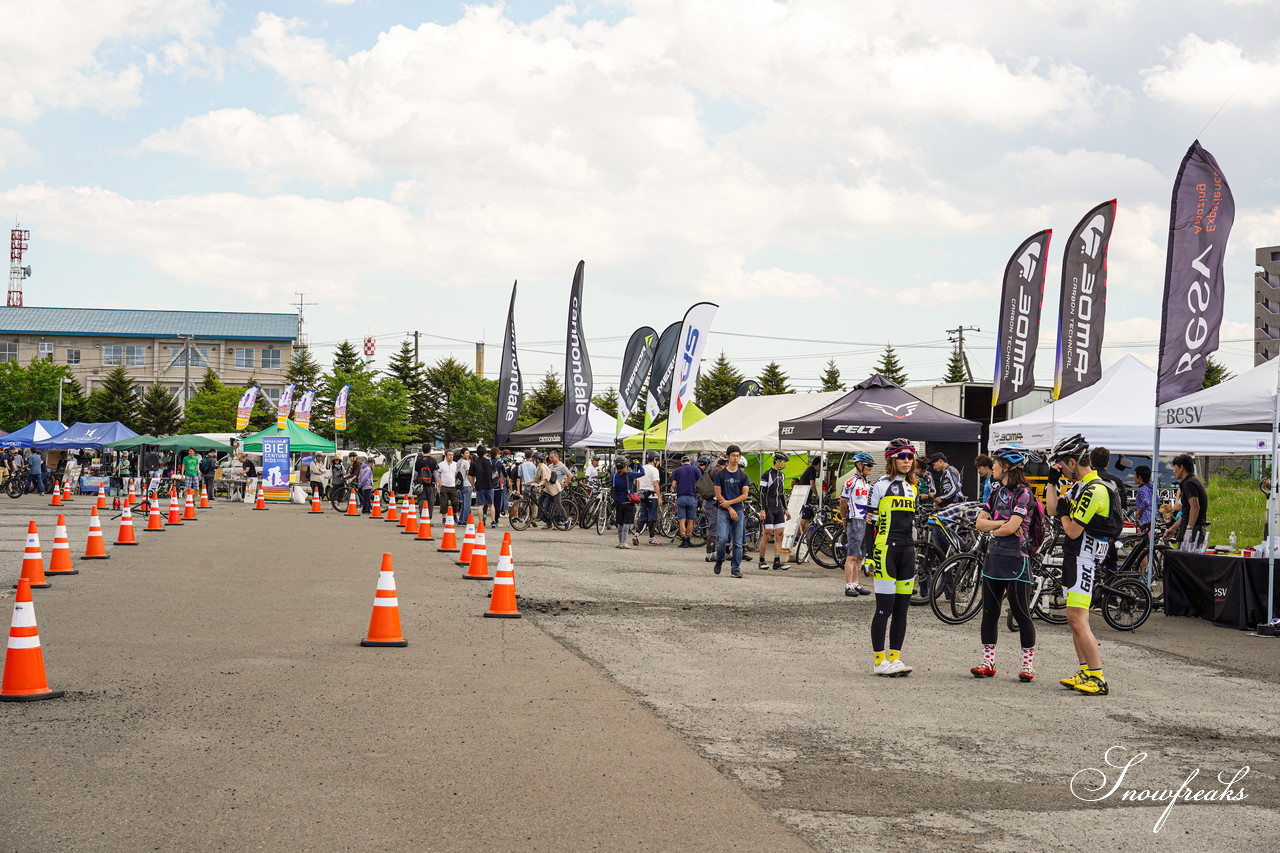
959 537
823 539
1122 598
961 574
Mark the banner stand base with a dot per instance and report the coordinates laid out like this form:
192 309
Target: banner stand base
1266 630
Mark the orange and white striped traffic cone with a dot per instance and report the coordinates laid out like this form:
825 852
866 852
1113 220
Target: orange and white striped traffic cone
377 504
468 542
33 560
384 623
478 570
260 502
95 549
60 553
204 496
316 508
404 512
353 508
502 601
24 677
449 540
133 496
424 528
393 512
175 511
411 520
66 491
155 524
102 496
189 510
125 536
56 498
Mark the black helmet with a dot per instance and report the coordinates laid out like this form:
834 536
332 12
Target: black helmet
1073 447
899 445
779 457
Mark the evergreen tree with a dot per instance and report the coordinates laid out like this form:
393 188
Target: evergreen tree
607 402
956 370
213 406
890 367
75 406
718 385
304 370
831 377
115 400
159 412
377 411
406 368
545 399
772 380
448 391
1215 372
347 358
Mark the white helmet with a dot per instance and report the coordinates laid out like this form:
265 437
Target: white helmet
519 457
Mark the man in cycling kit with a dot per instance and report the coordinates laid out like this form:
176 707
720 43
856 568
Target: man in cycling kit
855 504
892 509
774 512
1090 514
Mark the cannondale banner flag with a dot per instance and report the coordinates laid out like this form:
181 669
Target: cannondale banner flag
1199 223
1083 309
1019 328
664 367
577 370
245 409
340 408
636 361
302 411
693 340
747 388
286 403
510 385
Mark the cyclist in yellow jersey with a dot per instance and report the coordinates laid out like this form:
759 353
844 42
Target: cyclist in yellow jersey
891 515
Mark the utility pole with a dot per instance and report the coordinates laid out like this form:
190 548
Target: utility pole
416 358
301 303
956 336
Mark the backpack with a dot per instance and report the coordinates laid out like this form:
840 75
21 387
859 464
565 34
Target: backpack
1039 526
705 487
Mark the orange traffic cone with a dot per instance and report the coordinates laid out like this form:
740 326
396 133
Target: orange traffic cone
60 554
102 497
24 679
260 504
377 504
404 511
468 542
411 519
204 496
125 537
316 508
449 541
393 512
502 601
384 624
189 510
175 512
155 524
479 567
56 498
424 528
133 496
66 491
94 549
353 508
32 561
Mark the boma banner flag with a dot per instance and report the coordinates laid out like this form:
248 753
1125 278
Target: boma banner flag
302 411
1082 313
286 403
1021 299
340 408
245 409
577 369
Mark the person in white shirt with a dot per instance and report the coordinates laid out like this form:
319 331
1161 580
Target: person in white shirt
650 488
855 500
448 477
593 469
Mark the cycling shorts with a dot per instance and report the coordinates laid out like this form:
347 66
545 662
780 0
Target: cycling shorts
896 570
775 519
1080 571
855 530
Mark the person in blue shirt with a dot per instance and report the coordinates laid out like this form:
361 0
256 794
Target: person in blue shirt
732 486
1142 497
623 485
686 478
983 464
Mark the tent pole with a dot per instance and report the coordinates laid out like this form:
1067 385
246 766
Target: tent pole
1271 515
1155 497
822 472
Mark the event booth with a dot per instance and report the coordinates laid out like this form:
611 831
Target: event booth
86 435
655 437
549 432
32 433
752 424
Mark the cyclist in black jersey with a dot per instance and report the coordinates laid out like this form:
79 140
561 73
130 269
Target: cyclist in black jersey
892 510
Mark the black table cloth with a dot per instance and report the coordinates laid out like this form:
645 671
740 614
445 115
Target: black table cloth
1228 591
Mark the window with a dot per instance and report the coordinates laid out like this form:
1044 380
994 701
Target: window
244 358
135 356
112 355
8 351
272 394
271 359
73 356
178 356
45 350
139 390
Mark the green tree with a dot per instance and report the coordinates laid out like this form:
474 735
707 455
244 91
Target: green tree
213 406
305 372
957 371
545 399
159 412
607 402
443 390
890 367
31 393
474 411
831 377
75 406
1215 372
773 380
405 367
346 358
377 411
718 385
115 400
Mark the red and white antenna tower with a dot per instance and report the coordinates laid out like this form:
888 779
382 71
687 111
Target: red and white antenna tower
17 272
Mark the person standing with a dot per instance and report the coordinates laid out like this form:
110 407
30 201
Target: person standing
773 512
685 478
808 477
35 472
983 464
946 480
1189 528
481 474
315 475
208 468
1007 516
1142 496
498 483
425 473
447 474
191 469
710 509
364 479
649 486
855 504
464 482
525 472
892 508
592 470
623 487
733 486
553 490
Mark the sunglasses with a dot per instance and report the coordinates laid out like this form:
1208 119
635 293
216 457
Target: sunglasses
906 454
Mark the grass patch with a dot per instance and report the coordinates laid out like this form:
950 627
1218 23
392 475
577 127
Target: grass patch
1239 505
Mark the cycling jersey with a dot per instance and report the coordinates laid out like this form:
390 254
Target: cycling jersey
1003 504
772 483
858 493
1090 502
893 556
1091 506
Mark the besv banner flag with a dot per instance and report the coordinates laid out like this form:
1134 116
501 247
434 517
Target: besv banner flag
1019 329
664 366
1082 311
1199 224
510 385
636 361
693 340
577 370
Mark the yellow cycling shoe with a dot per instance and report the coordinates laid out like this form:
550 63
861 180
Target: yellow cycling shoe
1074 680
1093 685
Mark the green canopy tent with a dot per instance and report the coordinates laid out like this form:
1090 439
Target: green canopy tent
131 443
655 437
197 443
300 440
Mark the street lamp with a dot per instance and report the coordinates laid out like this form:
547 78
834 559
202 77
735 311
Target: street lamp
65 380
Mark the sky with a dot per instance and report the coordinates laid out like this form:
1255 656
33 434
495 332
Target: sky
835 175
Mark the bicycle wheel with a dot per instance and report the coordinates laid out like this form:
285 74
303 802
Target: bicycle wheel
966 586
941 581
569 519
600 516
1125 604
667 524
828 551
520 514
13 487
1051 603
750 532
928 558
339 496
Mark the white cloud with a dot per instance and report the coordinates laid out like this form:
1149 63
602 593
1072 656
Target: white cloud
938 292
13 148
727 279
1201 74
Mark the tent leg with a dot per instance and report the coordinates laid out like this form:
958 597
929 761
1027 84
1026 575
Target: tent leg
1155 503
1269 629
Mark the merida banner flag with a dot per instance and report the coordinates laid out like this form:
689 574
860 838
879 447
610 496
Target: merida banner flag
692 341
1019 329
340 408
245 409
286 403
1082 312
510 384
1199 223
577 370
302 411
637 359
747 388
664 367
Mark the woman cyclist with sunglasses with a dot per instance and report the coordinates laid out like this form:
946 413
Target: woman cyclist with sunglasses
892 512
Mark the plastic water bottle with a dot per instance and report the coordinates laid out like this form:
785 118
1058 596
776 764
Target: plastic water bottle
1231 540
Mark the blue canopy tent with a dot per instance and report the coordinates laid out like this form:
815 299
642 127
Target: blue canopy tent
32 433
86 435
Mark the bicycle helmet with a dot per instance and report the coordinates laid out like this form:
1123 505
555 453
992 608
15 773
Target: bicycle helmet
899 446
1072 447
862 459
779 457
519 457
1011 456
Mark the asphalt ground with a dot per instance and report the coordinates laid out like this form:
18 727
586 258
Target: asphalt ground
226 704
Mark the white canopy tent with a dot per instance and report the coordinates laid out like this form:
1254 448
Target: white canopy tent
1116 413
549 432
752 424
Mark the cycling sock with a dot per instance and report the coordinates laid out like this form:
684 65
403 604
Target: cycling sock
879 658
893 655
1096 673
1028 656
989 654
